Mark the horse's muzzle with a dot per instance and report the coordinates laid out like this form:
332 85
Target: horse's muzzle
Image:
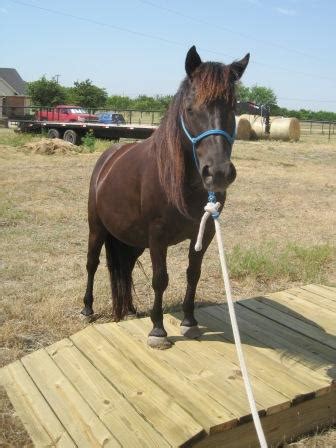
218 178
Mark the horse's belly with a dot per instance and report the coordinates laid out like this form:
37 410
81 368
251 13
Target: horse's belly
125 225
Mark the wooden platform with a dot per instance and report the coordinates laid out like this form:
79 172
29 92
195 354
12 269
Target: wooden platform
103 387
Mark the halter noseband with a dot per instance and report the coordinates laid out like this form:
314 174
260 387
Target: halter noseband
199 137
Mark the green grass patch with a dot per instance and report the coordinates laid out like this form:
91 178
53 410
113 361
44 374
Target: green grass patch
293 262
10 138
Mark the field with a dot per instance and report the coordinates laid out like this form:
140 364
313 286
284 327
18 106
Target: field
278 227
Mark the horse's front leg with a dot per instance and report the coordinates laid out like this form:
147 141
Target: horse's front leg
157 338
189 325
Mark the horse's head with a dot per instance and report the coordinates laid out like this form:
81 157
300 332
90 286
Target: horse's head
208 117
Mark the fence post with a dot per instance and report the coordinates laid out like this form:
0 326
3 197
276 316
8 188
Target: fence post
329 131
311 127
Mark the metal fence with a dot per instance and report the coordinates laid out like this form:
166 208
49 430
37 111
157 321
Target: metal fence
323 128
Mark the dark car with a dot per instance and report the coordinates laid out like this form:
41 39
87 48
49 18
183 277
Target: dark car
111 118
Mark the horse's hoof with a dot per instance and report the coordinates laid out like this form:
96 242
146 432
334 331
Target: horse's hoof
131 315
87 311
191 332
159 342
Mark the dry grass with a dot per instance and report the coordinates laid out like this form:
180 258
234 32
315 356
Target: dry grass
324 439
284 197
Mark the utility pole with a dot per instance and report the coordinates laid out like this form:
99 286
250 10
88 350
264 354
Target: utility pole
56 77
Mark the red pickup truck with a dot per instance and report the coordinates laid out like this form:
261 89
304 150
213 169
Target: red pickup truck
65 114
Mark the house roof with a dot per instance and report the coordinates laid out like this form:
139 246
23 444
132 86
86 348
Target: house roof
11 76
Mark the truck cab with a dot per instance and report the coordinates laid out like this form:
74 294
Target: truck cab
66 114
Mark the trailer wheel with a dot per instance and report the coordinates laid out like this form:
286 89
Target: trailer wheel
71 136
53 133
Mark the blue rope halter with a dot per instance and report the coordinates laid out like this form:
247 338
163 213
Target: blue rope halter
198 138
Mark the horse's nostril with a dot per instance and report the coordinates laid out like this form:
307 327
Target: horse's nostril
206 171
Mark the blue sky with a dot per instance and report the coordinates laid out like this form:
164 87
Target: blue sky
138 46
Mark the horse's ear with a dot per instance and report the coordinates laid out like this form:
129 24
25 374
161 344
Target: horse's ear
237 68
192 61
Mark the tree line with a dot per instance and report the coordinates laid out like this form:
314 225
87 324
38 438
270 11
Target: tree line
49 93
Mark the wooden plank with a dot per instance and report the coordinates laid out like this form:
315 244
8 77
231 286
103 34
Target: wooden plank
224 373
276 345
38 418
284 426
158 407
77 417
313 297
308 310
264 307
324 291
206 411
198 370
328 288
127 426
293 302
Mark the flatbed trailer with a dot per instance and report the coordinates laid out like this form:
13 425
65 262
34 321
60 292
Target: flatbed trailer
74 131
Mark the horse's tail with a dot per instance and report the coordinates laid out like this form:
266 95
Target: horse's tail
120 261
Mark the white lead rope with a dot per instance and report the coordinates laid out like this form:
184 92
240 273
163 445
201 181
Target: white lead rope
211 209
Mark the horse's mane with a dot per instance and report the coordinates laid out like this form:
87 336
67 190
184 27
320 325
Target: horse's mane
211 80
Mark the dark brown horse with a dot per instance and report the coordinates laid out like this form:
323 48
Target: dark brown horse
151 194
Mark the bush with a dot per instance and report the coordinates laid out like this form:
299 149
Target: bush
89 141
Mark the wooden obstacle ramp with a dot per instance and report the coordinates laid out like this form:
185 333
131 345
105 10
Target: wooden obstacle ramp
103 387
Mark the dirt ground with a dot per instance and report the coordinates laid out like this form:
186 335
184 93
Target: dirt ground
285 194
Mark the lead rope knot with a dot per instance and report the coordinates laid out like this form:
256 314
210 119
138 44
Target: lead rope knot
211 209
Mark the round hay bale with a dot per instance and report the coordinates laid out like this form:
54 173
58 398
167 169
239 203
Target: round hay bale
257 126
243 129
287 129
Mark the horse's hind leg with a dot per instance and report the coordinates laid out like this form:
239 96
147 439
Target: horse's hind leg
189 325
96 240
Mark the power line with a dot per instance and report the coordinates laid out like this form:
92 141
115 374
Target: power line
151 36
306 100
238 33
97 22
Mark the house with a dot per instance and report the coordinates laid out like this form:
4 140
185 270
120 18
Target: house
13 94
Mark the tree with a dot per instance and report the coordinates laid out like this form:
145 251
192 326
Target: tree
144 102
263 95
86 94
46 92
163 101
118 102
242 92
256 94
